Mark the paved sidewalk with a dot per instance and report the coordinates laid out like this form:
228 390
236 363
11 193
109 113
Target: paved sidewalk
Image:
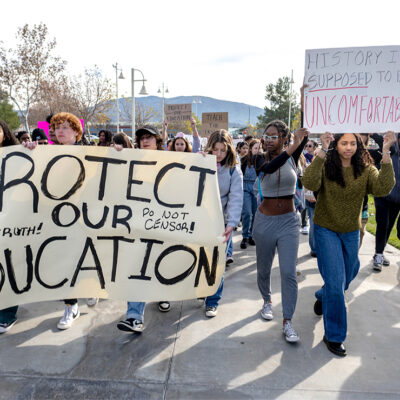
237 355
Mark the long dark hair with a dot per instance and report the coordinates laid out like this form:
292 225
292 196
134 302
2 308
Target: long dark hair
333 165
108 136
9 137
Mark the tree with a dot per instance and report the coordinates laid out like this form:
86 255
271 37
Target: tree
54 97
279 98
7 114
143 115
25 68
89 95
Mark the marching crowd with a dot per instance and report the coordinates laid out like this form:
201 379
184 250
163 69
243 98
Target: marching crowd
272 186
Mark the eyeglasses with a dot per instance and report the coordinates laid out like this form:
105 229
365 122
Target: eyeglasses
271 137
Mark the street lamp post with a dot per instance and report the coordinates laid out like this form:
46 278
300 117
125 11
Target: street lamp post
290 99
142 91
121 76
196 101
163 100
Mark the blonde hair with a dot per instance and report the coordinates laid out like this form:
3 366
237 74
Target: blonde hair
223 136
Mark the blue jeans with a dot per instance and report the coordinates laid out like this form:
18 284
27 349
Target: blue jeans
310 210
249 209
8 315
338 263
212 301
136 310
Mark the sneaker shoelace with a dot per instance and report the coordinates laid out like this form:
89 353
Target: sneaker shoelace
267 308
289 330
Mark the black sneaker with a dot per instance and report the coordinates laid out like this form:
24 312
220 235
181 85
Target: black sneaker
164 306
6 326
335 347
318 307
130 325
229 260
243 243
251 241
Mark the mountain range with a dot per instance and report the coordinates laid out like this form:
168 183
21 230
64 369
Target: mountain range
239 114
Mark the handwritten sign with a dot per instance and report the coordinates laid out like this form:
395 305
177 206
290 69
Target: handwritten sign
93 222
211 122
352 90
178 112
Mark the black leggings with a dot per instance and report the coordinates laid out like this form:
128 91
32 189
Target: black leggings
386 214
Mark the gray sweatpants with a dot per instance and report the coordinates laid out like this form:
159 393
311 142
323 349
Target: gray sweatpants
280 232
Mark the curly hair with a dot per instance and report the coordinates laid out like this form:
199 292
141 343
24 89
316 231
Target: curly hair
188 147
223 136
333 164
73 121
9 138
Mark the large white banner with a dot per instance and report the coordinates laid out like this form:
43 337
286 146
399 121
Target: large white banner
93 222
352 90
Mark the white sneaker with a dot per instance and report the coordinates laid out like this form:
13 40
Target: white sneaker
304 230
92 301
266 311
71 313
211 311
378 262
291 335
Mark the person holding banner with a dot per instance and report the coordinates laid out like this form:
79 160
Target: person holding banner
8 316
342 173
147 138
277 224
230 183
68 131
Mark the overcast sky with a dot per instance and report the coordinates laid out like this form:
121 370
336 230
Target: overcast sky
228 50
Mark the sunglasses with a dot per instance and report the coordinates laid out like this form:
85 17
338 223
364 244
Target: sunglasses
271 137
309 145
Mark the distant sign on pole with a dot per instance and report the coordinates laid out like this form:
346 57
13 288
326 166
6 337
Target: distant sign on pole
353 89
178 112
211 122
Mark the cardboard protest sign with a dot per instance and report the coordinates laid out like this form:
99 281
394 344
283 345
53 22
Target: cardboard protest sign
352 90
93 222
178 112
211 122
